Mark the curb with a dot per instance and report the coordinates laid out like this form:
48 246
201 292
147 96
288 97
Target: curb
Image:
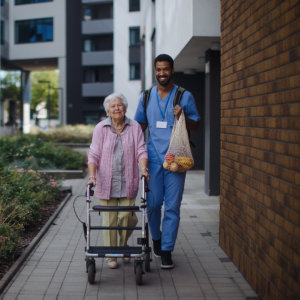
74 145
65 174
19 262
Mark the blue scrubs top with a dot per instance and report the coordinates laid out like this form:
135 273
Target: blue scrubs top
159 138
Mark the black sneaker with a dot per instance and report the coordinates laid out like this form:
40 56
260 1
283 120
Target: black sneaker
166 260
157 248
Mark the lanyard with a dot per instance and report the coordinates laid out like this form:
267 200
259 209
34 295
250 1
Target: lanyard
168 99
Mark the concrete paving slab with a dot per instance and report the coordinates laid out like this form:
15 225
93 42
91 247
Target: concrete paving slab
56 268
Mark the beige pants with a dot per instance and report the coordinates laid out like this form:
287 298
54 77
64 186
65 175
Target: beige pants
114 218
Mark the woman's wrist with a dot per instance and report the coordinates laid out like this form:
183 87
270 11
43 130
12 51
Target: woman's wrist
92 177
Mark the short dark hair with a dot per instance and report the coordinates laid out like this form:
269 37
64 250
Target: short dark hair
164 57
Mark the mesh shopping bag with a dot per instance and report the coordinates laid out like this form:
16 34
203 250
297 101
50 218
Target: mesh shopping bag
179 156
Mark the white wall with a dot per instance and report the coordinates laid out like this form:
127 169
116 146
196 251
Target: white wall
206 18
174 25
148 19
177 21
57 48
123 19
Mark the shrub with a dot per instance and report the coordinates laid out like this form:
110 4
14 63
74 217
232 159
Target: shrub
23 194
67 134
9 240
30 152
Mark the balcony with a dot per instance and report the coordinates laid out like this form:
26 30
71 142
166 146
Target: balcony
97 26
95 1
100 89
97 58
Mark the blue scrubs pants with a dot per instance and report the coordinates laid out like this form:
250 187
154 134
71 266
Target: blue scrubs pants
165 186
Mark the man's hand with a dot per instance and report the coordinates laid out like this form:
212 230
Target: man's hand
177 111
144 126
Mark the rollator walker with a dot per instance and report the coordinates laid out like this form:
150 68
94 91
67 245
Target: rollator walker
140 253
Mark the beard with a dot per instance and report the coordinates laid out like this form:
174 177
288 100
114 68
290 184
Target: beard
163 80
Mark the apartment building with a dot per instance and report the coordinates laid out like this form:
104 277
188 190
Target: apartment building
94 44
103 58
33 35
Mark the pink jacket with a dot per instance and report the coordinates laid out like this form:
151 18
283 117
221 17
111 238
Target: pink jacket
101 154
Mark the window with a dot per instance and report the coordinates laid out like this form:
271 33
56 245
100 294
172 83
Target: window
87 14
2 32
91 117
18 2
134 36
34 31
134 5
97 11
103 42
98 74
89 76
135 71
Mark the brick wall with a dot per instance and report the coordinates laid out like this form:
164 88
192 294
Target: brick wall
260 143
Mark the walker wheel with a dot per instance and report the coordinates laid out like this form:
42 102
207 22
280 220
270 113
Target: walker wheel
139 273
147 262
91 268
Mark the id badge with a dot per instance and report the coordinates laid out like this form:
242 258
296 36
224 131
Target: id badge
161 124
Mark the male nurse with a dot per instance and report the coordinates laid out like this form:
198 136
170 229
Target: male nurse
165 187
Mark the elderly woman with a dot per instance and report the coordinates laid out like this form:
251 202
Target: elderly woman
116 153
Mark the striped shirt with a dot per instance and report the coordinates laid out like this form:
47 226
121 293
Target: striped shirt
118 181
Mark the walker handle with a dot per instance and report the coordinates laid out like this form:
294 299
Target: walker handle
89 191
144 186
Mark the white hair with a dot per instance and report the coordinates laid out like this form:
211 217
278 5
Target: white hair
112 97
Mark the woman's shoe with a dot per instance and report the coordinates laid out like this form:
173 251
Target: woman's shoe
112 263
126 259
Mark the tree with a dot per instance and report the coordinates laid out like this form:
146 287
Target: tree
39 91
10 95
10 86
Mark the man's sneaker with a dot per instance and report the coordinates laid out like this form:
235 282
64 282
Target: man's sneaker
157 248
166 260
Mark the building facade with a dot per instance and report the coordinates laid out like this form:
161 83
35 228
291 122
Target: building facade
33 35
189 31
127 54
94 54
89 59
260 143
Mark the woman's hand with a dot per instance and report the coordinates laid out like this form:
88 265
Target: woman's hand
91 180
144 172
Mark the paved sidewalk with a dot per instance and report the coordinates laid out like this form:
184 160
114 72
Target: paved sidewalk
56 268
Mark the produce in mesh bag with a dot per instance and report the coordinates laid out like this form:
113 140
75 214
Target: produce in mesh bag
179 156
185 162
